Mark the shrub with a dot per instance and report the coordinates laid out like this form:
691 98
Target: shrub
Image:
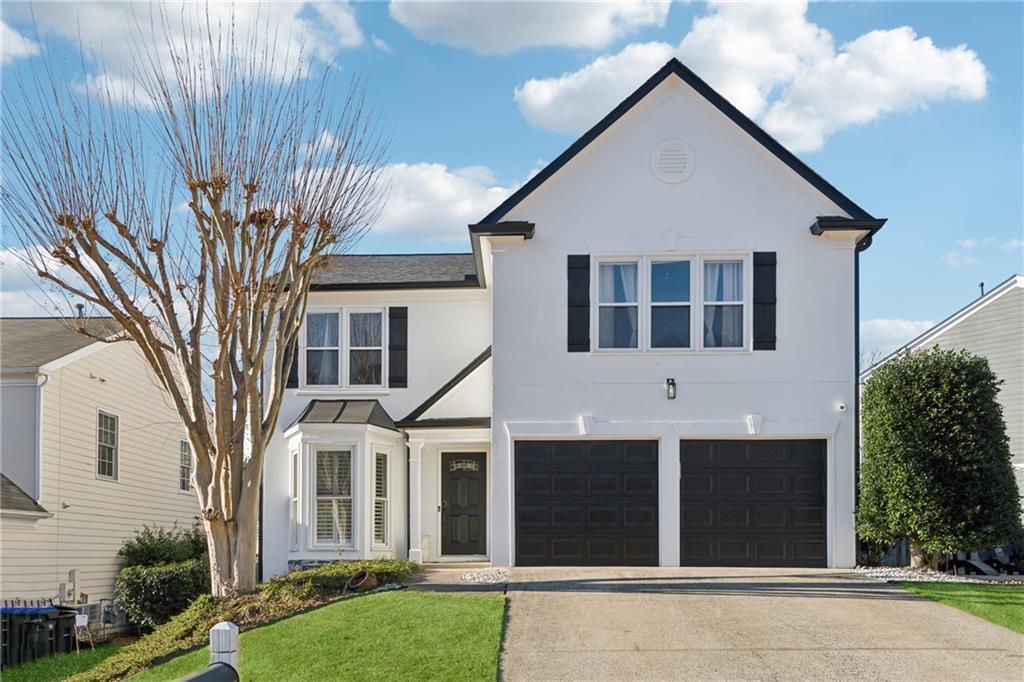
279 598
153 546
936 463
151 595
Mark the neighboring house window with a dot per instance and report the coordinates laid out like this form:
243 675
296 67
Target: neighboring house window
106 445
366 349
670 304
345 348
723 304
618 305
380 499
185 466
334 497
294 502
654 303
322 349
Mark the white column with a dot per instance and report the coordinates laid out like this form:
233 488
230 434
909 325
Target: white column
668 499
415 500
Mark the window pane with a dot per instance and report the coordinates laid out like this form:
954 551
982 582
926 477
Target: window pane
365 329
322 367
334 521
333 473
617 327
322 329
670 282
381 475
618 283
723 281
670 326
723 326
365 367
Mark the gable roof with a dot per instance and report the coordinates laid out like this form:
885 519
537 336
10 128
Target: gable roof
998 291
358 272
13 498
34 341
676 68
369 412
448 386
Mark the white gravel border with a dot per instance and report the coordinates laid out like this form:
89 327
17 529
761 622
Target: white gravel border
907 575
488 576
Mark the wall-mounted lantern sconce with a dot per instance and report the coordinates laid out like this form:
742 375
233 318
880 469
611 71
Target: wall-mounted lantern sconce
670 388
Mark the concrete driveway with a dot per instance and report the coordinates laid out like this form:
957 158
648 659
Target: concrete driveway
725 624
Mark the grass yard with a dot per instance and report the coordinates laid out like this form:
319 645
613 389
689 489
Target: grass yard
61 666
999 604
389 636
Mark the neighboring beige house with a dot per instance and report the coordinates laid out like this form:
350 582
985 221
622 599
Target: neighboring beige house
91 450
993 326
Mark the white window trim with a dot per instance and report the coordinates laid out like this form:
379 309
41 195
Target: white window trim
310 487
696 303
117 446
191 467
344 385
294 501
387 500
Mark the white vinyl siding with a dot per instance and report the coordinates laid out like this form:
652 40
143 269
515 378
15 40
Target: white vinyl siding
333 503
380 500
106 445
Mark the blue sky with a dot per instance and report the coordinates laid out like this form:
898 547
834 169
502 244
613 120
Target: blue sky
935 145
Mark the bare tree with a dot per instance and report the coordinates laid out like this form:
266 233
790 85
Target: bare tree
194 207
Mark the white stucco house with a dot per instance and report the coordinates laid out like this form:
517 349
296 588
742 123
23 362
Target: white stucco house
91 449
649 358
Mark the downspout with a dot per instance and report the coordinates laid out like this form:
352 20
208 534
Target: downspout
861 246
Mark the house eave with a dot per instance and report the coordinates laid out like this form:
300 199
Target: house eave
863 228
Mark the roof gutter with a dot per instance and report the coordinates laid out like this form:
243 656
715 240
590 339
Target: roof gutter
867 227
509 228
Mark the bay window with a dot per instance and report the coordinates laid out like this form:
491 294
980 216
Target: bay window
333 503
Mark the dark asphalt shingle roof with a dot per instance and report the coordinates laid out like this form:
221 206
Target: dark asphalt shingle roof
15 499
34 341
346 412
414 270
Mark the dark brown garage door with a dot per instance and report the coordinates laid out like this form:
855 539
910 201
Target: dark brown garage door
586 503
752 503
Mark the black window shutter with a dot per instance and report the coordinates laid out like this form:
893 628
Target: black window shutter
764 300
579 304
398 347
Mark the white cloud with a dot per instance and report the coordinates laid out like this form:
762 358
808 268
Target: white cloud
1013 244
23 293
505 27
380 44
884 336
958 259
775 66
967 244
432 201
299 32
14 46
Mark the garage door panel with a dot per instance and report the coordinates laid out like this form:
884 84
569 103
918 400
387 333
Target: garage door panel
598 505
752 503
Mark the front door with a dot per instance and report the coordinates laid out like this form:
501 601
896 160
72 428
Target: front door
463 503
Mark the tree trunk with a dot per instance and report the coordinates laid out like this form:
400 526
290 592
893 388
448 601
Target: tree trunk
918 557
232 551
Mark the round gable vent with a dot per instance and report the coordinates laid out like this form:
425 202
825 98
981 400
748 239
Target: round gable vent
672 161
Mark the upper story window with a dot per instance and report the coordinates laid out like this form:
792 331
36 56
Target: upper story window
657 303
106 445
185 466
345 348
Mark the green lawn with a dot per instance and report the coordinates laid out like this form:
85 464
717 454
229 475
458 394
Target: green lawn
59 667
388 636
999 604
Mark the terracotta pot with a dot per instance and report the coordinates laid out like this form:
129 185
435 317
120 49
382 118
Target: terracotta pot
361 581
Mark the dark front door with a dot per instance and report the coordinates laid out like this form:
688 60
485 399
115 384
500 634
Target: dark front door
586 503
463 503
752 502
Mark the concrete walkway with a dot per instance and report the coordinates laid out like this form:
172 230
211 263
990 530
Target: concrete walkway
726 624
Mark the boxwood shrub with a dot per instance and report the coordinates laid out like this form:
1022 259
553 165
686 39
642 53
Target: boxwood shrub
153 546
151 595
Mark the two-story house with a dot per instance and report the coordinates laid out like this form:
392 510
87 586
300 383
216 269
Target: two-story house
91 449
649 358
